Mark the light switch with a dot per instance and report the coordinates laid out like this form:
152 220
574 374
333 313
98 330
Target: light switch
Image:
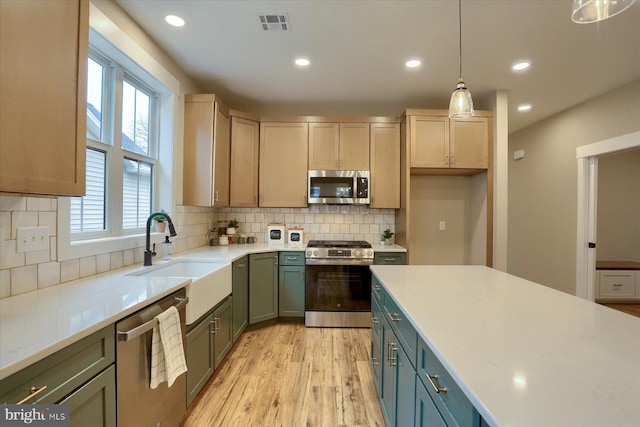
442 226
32 239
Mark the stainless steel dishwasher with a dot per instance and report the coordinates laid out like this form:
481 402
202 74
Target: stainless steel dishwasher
138 404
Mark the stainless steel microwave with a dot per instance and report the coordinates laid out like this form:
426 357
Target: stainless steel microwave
339 187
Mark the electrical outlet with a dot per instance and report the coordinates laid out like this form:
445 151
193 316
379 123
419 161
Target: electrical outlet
443 226
31 239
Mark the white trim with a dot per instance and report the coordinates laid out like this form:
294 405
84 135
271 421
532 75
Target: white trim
587 156
619 143
68 249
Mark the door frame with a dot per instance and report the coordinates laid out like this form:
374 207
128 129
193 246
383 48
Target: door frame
587 156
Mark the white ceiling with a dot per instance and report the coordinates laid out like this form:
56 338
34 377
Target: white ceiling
358 49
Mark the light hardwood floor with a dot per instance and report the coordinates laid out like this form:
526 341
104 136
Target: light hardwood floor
287 375
632 309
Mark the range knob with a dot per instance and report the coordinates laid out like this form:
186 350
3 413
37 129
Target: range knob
357 252
315 252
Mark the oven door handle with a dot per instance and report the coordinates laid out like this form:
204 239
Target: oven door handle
147 326
334 261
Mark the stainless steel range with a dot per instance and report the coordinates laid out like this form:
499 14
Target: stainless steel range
338 283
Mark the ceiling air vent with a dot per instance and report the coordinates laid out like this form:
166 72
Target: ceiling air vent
274 22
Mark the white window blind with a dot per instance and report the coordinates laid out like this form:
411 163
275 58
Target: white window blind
88 213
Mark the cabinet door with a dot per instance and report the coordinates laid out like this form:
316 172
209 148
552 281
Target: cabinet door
206 151
245 147
200 357
43 82
429 138
469 143
426 412
389 376
94 404
263 287
354 147
283 164
240 293
385 166
291 291
376 343
406 388
223 334
324 146
221 153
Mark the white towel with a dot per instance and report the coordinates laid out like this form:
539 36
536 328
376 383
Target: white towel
167 352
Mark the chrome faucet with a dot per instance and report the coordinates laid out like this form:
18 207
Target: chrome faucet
148 252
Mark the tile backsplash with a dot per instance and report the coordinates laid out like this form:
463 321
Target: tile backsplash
22 272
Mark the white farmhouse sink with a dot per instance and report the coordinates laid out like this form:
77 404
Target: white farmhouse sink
210 282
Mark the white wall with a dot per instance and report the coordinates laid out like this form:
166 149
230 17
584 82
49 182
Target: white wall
543 186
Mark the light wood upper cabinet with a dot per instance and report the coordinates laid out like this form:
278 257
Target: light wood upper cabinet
43 81
245 154
338 146
469 143
439 142
429 138
385 166
207 147
283 164
324 146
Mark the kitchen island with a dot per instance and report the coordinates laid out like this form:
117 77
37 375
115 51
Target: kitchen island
523 354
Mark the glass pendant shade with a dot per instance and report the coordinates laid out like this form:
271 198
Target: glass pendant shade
588 11
461 105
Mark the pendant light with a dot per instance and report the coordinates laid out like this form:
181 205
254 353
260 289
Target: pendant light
589 11
461 104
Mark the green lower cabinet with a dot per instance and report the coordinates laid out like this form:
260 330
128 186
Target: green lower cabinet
94 404
398 381
208 342
240 293
426 414
222 331
291 290
390 258
263 287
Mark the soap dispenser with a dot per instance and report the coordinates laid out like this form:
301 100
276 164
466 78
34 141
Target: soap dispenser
166 249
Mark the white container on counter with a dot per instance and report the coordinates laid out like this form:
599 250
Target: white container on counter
276 234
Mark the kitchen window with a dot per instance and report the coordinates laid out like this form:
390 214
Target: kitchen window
121 147
130 120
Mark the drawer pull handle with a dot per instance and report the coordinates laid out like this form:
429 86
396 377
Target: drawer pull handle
394 317
376 288
33 392
243 265
375 321
393 359
432 380
389 259
374 361
292 258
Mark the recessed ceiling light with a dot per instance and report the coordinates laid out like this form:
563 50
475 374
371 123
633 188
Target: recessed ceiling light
413 63
521 66
524 107
302 62
176 21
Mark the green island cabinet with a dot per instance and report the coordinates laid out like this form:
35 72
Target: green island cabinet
263 287
413 386
291 284
209 340
81 375
240 293
390 258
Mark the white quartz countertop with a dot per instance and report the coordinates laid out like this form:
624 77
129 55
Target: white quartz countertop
36 324
523 353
